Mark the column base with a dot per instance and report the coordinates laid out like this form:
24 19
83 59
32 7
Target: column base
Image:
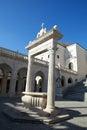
52 111
11 94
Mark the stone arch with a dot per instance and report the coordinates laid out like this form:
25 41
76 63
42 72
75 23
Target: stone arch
1 72
5 66
21 80
39 81
62 81
1 78
5 79
70 66
70 80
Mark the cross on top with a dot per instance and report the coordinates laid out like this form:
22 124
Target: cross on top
42 25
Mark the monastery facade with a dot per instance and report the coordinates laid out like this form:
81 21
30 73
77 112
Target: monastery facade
70 66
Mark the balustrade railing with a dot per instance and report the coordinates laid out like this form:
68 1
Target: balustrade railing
25 57
60 67
67 69
12 53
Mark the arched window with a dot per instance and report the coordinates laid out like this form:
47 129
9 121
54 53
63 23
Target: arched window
70 80
71 66
62 81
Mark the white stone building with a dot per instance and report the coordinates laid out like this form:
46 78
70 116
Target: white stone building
13 69
70 61
70 64
70 67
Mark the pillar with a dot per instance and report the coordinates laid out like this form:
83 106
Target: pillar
13 83
29 75
20 79
4 83
51 81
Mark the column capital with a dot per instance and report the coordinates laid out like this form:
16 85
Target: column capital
14 72
5 74
31 59
52 46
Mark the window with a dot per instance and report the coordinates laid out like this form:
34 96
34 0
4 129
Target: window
70 80
62 81
71 66
58 56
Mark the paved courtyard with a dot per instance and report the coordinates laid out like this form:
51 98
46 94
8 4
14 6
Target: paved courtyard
76 109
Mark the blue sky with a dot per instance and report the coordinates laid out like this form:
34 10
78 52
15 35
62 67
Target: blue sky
20 21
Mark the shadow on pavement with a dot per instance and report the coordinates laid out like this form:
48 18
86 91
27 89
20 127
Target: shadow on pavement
6 124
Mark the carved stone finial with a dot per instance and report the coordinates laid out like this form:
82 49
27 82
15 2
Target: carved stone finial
55 27
42 31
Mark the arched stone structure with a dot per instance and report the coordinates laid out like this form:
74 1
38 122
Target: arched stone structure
39 81
11 63
1 79
5 86
46 41
21 81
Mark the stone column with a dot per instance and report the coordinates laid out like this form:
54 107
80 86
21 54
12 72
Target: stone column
12 84
29 75
20 79
4 83
51 81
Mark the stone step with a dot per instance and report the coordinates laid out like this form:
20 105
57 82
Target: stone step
76 92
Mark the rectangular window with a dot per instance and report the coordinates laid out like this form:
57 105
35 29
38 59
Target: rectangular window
58 56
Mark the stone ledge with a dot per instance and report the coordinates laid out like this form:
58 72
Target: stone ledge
36 94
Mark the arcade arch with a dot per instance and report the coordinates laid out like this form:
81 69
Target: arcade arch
5 76
21 81
39 81
1 77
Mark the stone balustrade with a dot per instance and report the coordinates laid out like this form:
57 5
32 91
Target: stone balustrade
61 67
8 52
67 70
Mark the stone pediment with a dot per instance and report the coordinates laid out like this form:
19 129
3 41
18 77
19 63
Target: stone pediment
44 37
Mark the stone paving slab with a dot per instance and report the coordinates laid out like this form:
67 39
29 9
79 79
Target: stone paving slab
76 109
19 113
